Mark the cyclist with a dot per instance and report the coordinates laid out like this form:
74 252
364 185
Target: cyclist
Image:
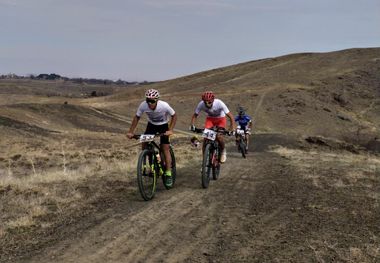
216 112
245 123
158 112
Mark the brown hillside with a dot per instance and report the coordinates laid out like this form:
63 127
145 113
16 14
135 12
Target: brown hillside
307 191
333 94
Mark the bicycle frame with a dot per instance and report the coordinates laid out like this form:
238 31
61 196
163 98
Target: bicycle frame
152 147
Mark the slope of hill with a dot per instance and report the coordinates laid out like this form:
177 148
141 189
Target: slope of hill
292 94
307 192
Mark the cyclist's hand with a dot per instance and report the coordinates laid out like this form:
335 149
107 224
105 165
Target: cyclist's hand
169 132
130 135
192 127
248 131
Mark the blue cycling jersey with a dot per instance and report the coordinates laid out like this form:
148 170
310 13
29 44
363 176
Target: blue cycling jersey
242 121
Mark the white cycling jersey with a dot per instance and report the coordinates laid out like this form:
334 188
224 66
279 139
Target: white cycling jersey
158 116
218 109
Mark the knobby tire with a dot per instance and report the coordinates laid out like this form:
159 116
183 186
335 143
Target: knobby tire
146 178
216 167
206 166
242 147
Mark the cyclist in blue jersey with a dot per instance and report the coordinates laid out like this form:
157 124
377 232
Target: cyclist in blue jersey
245 123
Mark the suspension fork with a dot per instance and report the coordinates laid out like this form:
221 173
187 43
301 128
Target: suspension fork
215 153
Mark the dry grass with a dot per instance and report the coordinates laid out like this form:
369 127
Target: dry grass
354 169
41 187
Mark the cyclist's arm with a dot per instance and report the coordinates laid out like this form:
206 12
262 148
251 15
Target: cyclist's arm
194 118
172 123
132 129
232 121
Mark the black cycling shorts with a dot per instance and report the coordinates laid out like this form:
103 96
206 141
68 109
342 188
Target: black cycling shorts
154 129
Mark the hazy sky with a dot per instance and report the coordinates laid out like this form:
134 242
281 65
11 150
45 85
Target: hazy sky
163 39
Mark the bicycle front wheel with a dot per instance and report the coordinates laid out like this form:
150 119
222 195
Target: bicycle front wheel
215 157
147 174
206 166
242 148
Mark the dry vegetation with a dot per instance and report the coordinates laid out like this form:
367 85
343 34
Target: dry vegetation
43 179
65 161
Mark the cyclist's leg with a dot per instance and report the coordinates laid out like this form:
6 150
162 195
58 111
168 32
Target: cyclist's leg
165 146
150 129
246 137
221 122
168 159
220 139
246 141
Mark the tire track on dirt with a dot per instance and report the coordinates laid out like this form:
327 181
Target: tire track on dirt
140 236
187 222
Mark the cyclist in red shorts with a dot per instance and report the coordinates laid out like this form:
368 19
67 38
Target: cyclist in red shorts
216 112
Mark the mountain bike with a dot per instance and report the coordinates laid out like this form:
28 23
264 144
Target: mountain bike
211 153
151 165
241 141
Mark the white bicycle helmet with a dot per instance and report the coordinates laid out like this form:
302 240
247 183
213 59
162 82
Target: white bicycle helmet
152 94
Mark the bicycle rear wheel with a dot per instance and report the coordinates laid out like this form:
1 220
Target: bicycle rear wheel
242 148
147 174
174 171
206 166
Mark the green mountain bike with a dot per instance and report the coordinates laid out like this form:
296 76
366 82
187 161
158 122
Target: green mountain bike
151 165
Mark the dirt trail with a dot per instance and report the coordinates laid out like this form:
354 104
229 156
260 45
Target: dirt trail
260 210
185 223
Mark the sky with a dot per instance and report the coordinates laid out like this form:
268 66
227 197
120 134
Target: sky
156 40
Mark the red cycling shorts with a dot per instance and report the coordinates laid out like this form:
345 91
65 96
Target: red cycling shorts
215 121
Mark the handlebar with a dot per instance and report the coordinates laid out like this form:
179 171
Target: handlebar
137 136
220 130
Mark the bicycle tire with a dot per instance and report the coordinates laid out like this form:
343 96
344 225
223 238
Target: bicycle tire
174 170
216 167
206 166
242 148
147 178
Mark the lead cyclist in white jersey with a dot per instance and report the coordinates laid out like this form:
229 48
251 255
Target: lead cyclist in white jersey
158 112
216 111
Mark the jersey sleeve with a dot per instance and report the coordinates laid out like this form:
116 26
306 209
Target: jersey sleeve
140 109
224 107
170 110
198 108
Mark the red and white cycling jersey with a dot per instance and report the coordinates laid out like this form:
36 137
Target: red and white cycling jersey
218 109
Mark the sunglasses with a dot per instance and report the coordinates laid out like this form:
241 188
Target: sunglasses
150 101
208 103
